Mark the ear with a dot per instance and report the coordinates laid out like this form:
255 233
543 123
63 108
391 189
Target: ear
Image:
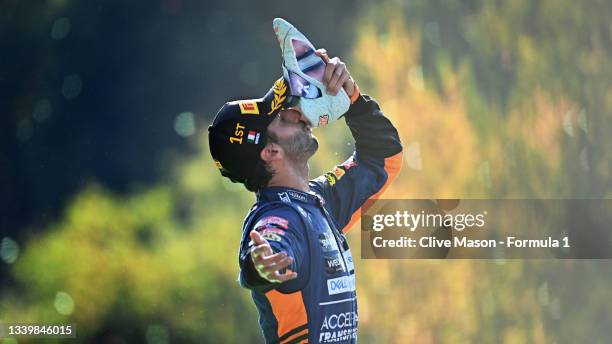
270 153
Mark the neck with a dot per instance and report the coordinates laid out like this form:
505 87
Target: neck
295 177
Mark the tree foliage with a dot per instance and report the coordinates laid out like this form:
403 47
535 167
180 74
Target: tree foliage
491 99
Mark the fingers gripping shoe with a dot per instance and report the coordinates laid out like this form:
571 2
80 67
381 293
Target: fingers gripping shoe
304 71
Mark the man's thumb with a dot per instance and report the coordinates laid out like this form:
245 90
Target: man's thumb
257 238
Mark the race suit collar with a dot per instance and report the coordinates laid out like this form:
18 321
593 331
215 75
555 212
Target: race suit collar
288 195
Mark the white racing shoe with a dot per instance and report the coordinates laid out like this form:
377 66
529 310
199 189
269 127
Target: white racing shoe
303 70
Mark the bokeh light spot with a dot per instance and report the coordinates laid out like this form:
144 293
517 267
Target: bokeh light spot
42 110
432 33
413 156
157 334
555 309
583 157
72 86
568 127
582 121
544 294
184 124
61 28
9 250
415 77
64 304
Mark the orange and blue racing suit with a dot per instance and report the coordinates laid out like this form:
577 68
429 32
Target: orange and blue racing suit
320 305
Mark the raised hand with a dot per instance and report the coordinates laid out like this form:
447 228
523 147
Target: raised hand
336 74
267 263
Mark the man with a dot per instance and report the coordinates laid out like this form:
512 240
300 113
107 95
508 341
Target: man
294 256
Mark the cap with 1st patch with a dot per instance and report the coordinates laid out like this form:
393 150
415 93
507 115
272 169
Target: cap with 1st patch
238 132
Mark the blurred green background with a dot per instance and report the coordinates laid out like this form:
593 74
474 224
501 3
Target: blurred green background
114 217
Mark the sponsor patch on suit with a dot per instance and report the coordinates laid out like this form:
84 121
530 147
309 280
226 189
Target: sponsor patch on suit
340 285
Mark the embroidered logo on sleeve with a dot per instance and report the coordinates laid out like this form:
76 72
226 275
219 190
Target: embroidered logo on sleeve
275 221
272 228
349 163
339 171
271 235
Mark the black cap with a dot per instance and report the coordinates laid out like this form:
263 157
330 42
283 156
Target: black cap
238 132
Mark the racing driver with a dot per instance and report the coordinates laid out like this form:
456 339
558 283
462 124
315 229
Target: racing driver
294 256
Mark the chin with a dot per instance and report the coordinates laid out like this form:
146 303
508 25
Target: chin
315 144
314 138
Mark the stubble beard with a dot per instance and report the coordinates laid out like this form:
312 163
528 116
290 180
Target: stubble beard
299 149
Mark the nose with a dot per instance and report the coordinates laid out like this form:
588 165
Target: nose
293 116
